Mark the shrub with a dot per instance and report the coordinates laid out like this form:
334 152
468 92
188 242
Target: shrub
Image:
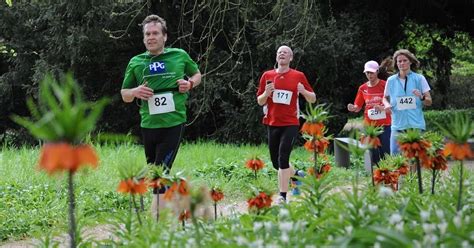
443 116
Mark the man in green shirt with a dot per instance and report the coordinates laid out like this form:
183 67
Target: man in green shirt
157 79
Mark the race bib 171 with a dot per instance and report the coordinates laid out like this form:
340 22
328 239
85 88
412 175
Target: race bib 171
282 96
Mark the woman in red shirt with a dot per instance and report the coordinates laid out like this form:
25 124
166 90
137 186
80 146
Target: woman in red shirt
371 94
278 92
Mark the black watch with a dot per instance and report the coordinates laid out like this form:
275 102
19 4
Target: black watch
423 97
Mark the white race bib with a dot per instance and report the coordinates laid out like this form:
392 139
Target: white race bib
406 102
161 103
374 114
282 96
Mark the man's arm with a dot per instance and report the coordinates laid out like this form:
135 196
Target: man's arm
193 81
141 92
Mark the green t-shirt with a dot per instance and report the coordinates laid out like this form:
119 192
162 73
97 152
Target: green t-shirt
161 73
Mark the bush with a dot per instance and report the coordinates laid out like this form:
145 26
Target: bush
442 116
460 92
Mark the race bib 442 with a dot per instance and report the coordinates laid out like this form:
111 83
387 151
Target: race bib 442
406 102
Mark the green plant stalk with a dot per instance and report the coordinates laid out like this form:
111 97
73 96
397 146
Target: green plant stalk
418 172
142 204
315 156
196 226
372 172
460 186
255 174
72 206
215 210
157 206
433 180
136 209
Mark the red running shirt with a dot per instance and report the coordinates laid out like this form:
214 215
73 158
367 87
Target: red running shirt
286 112
371 96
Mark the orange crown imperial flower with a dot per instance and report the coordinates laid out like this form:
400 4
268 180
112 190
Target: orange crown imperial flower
57 157
132 186
372 141
320 145
387 177
419 148
254 164
217 195
313 128
403 170
186 214
458 151
262 200
156 183
180 187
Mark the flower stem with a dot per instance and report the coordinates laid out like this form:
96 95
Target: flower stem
196 226
157 206
460 186
315 156
418 172
72 205
255 173
372 172
433 180
215 210
142 204
136 209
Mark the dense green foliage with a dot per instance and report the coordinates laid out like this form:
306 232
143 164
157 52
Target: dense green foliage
435 118
232 41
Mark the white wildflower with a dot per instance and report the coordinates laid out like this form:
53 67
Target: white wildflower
465 244
361 212
341 218
191 242
399 226
257 243
286 226
268 225
380 238
284 212
442 227
373 208
434 238
395 218
385 192
428 228
457 221
284 238
257 226
310 246
377 245
440 214
425 215
241 240
349 229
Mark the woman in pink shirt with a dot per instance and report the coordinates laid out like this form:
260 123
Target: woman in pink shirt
371 94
